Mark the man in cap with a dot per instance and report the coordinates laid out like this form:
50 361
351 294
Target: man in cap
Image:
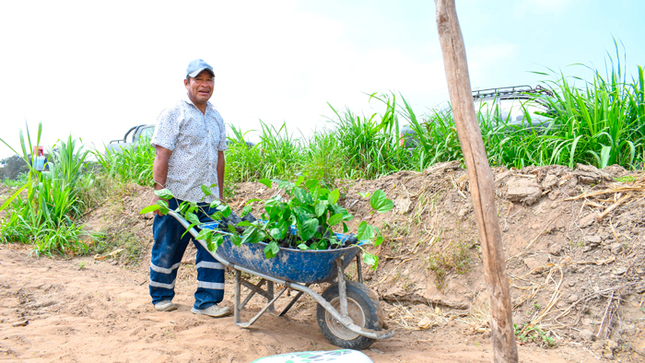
189 141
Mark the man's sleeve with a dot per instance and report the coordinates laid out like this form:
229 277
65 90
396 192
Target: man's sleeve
166 129
222 133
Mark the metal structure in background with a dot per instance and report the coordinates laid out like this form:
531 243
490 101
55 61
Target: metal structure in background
131 137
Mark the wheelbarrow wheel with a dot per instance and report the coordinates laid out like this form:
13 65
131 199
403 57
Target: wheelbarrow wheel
362 307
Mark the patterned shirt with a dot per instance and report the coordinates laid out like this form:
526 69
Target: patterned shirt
194 139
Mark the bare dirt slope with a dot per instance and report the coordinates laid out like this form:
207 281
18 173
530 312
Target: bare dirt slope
575 265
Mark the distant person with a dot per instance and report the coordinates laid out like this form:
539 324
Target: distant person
41 160
189 141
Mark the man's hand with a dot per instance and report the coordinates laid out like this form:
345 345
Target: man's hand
154 200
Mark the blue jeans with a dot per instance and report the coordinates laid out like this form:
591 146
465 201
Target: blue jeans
166 256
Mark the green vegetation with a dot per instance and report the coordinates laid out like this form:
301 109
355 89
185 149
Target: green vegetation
445 260
44 208
599 122
534 334
304 215
130 164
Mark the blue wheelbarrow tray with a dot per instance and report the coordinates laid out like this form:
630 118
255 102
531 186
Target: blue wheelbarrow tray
289 264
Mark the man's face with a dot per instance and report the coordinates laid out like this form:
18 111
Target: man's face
200 88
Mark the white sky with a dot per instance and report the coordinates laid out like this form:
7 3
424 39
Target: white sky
96 68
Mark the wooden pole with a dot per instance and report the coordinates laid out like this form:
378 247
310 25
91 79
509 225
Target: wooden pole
481 180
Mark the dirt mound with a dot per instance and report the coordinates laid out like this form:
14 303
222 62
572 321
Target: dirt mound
118 222
574 243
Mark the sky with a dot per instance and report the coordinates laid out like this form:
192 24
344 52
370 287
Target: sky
93 69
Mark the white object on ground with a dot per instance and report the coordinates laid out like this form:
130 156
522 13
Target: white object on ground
335 356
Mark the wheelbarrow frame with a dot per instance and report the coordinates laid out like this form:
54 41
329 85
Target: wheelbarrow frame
340 316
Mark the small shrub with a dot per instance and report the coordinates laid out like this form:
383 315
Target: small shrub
452 258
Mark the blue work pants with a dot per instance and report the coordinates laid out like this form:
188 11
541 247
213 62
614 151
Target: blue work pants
166 256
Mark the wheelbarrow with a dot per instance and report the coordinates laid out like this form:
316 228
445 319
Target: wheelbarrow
348 314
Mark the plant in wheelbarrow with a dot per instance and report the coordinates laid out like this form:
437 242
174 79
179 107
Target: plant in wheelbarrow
304 219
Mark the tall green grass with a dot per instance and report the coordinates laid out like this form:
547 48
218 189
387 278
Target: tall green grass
43 211
602 123
131 164
242 160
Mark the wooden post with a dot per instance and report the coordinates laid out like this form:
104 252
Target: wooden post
482 186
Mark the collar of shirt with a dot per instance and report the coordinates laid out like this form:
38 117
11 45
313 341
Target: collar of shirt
209 106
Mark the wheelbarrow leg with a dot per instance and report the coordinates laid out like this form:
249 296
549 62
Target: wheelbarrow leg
342 290
238 291
293 301
358 268
255 289
250 322
270 291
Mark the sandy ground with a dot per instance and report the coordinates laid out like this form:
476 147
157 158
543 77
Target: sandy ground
81 310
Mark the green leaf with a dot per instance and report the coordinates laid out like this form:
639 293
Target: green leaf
299 180
309 228
236 240
303 196
188 229
206 190
218 240
284 184
16 193
301 214
231 228
379 202
365 231
216 216
250 235
150 208
370 260
333 196
226 212
320 193
164 194
320 208
163 206
322 245
265 182
276 233
192 218
209 243
203 233
244 224
311 183
183 207
335 219
271 250
246 210
274 207
345 228
379 240
303 246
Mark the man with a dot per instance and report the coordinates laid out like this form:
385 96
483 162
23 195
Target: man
189 140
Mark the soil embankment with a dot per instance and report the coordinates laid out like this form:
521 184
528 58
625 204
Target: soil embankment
574 242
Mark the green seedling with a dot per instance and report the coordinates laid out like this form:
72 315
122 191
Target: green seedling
307 205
